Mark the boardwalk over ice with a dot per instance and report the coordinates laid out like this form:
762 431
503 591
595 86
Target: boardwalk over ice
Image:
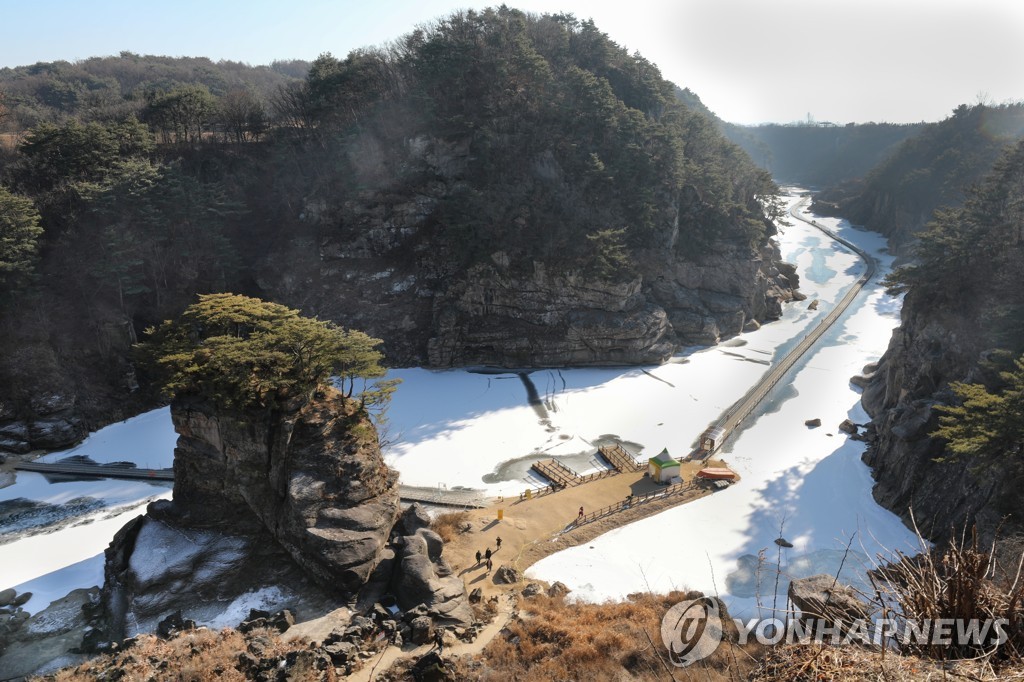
458 497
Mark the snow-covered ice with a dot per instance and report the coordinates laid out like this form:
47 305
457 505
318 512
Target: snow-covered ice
34 486
147 439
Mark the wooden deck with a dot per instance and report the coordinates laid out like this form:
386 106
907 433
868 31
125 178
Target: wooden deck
556 472
619 458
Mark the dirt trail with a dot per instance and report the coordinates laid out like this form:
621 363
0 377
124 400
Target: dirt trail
531 530
383 661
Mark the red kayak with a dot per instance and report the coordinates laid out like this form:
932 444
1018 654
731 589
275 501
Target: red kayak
717 474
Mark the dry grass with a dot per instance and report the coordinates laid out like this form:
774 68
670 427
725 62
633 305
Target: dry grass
197 656
447 524
556 640
814 663
963 582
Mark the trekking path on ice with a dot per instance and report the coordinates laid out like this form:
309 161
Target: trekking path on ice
742 409
439 496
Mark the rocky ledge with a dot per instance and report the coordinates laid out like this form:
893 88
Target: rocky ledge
50 421
497 317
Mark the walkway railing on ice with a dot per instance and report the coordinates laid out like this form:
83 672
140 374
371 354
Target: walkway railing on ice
620 458
632 501
538 491
556 472
742 408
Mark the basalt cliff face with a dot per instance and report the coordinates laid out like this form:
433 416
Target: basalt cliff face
930 349
315 480
494 317
961 322
303 502
381 267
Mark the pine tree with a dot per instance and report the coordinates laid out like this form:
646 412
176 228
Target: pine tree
243 353
984 421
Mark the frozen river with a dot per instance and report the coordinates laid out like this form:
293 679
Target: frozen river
460 428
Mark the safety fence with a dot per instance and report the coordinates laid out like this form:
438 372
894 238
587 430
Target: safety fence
632 501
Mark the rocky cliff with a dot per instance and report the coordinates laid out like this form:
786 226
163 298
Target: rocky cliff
930 349
961 322
301 501
49 421
497 318
382 267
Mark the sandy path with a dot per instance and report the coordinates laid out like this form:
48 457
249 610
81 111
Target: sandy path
534 529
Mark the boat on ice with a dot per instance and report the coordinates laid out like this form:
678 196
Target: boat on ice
717 474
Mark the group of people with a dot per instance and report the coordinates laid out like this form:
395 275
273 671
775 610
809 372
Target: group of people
486 556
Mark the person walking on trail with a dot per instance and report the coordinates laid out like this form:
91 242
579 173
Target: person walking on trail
498 541
439 640
580 517
489 565
479 556
487 554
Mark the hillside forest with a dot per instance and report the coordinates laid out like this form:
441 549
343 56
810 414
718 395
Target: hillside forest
130 184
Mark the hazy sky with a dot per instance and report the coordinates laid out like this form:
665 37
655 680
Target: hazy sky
749 60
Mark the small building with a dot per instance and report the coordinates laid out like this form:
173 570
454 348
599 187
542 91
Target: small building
712 438
663 468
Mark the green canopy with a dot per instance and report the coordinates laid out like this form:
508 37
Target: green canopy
664 460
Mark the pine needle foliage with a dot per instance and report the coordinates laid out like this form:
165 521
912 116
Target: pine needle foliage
984 420
242 353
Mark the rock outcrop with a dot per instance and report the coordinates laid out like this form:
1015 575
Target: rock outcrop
315 480
493 317
930 349
29 642
301 501
820 597
158 564
423 576
49 422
